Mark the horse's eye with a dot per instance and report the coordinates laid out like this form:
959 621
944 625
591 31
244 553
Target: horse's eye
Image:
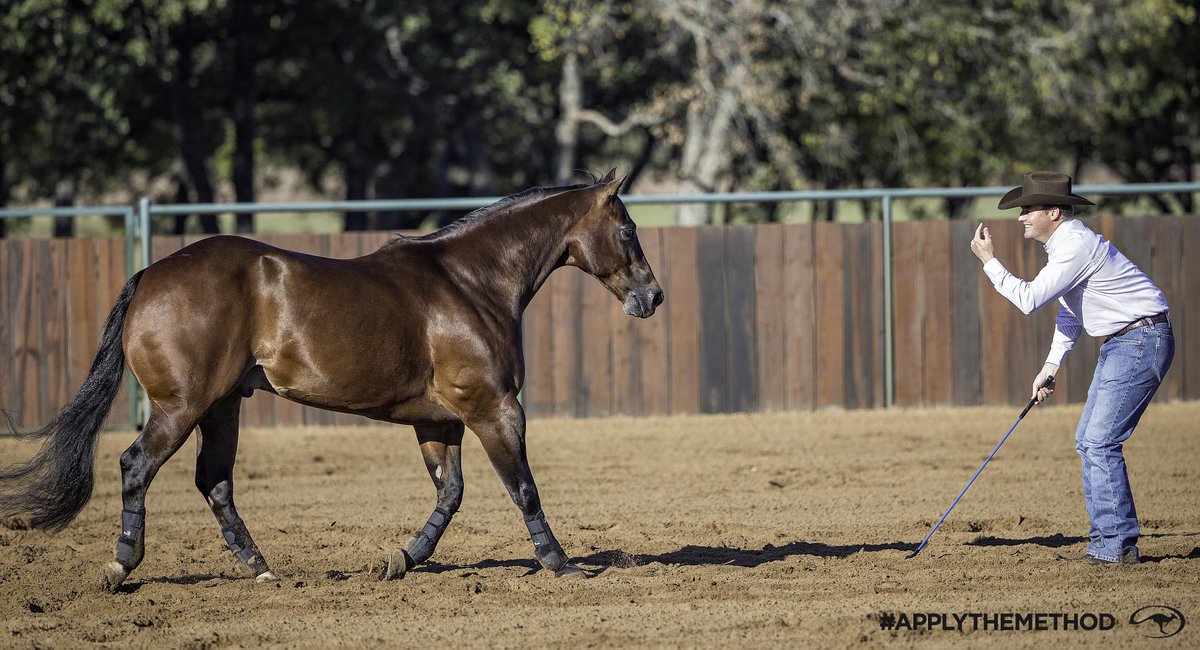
626 233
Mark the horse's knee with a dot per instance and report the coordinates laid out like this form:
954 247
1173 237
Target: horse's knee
133 474
218 494
527 499
451 497
130 458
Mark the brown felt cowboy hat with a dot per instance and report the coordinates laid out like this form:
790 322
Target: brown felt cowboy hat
1043 188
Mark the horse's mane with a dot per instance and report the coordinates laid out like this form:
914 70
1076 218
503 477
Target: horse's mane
519 199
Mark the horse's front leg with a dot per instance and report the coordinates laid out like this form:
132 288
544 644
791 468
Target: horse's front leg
503 439
441 447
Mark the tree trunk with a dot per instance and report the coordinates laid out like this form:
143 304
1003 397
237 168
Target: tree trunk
356 188
479 168
566 133
245 98
706 150
187 127
643 159
64 197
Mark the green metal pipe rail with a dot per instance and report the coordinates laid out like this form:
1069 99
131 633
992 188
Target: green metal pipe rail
138 232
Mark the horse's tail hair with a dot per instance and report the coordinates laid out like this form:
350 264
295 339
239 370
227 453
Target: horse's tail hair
56 483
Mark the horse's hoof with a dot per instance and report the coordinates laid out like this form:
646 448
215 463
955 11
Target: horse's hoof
395 565
266 576
111 577
569 570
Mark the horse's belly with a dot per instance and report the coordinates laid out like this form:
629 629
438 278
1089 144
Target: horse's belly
389 406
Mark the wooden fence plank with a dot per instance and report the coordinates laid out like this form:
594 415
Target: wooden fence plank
538 344
7 376
81 302
969 283
800 326
908 323
830 297
937 284
740 343
681 288
29 338
713 315
1167 272
1186 314
863 352
770 318
626 364
654 366
53 274
595 382
565 289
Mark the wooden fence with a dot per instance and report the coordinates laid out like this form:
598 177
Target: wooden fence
756 318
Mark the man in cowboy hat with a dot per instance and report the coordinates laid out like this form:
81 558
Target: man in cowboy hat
1099 290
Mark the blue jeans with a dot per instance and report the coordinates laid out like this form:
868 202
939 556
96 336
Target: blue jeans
1128 372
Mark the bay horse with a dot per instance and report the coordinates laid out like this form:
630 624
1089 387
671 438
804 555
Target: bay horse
425 331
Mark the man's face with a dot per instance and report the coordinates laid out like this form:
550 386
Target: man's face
1039 221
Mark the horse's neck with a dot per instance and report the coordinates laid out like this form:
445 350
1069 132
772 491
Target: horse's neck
511 254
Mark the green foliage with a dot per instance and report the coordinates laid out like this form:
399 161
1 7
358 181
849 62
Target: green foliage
370 98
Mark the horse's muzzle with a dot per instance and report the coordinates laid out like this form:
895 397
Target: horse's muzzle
642 302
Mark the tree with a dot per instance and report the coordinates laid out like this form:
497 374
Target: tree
62 125
611 37
1133 91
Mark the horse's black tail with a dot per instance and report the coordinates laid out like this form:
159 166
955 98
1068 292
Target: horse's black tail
52 487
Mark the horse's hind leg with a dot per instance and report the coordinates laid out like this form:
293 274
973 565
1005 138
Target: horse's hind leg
162 436
441 447
216 451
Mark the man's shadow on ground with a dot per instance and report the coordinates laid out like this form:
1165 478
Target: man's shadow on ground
1058 540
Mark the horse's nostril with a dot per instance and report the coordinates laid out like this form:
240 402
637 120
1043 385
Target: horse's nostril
658 298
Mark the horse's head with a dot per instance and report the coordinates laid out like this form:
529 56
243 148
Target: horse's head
604 243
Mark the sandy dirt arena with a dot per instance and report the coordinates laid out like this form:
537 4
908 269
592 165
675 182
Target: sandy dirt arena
778 530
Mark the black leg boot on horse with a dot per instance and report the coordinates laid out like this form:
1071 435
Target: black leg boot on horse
441 447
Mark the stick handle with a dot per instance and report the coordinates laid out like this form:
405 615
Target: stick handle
1049 383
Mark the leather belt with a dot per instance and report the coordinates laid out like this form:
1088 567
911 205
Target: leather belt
1141 322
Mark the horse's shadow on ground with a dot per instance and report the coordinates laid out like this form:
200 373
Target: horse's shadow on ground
691 555
697 555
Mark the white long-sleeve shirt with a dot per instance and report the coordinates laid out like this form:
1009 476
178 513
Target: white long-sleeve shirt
1096 286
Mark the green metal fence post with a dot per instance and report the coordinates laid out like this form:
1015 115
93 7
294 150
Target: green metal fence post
889 371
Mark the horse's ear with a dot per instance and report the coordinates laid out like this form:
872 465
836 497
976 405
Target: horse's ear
612 184
612 173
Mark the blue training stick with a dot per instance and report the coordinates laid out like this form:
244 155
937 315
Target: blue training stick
1049 383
